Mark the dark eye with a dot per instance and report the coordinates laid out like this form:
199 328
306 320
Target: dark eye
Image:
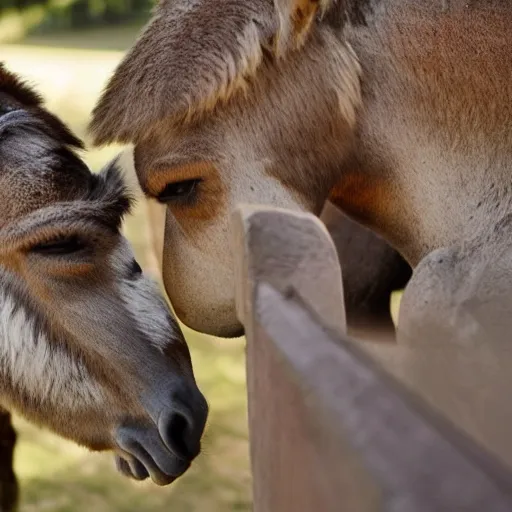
135 269
60 246
181 190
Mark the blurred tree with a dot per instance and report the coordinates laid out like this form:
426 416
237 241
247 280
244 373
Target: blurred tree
81 13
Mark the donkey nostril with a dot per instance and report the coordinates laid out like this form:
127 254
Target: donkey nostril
177 432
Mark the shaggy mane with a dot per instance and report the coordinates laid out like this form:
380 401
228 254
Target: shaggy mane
14 87
110 190
164 75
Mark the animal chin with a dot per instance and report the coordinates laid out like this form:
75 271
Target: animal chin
134 468
144 455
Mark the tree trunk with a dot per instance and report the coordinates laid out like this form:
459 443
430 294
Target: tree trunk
8 482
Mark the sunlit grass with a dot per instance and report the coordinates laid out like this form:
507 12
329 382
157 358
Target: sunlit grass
19 24
55 474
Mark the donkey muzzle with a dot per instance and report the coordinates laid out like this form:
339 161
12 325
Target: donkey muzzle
165 449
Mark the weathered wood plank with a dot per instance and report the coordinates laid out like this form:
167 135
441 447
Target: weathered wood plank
279 247
282 247
336 433
470 386
297 465
329 429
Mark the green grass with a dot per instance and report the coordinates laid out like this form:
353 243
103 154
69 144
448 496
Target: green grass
57 476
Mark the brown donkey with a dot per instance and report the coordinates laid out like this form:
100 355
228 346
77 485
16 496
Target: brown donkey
372 269
89 348
398 111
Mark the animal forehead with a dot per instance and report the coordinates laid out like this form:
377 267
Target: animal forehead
168 147
20 196
191 53
36 146
28 184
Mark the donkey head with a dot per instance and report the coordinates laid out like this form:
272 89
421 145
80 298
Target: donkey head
229 101
89 346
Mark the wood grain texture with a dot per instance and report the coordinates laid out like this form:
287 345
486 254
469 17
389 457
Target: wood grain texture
330 429
333 432
467 385
283 247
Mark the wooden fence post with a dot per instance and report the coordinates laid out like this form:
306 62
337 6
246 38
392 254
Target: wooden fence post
330 430
281 247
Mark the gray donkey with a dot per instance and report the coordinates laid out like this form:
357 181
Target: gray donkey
89 346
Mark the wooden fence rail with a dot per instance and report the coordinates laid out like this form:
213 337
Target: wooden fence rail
330 430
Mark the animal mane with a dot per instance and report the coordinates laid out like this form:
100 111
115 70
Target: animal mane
14 87
110 190
147 87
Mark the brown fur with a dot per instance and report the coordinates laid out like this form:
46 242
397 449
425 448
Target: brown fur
400 111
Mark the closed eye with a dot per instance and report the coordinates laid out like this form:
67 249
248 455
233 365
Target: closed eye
59 246
179 191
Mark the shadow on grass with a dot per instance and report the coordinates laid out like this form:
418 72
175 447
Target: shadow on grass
219 480
94 485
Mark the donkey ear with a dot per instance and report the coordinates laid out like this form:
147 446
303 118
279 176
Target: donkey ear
191 55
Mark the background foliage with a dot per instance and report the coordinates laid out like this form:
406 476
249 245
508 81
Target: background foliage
22 17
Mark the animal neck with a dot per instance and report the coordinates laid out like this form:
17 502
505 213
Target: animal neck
420 209
433 148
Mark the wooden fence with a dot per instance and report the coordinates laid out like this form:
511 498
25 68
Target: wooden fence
337 425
